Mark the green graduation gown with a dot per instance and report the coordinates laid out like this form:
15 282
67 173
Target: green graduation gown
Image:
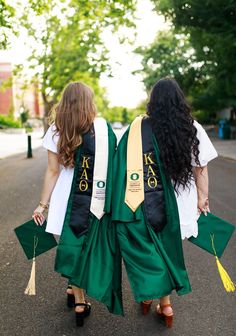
93 261
154 261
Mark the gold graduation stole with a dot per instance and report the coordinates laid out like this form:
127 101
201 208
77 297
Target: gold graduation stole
150 187
134 194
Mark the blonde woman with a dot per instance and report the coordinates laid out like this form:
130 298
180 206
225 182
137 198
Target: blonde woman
77 185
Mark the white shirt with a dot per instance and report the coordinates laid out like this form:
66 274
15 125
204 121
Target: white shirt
61 191
187 199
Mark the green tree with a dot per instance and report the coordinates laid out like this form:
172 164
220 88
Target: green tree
70 45
12 19
125 117
6 16
171 55
211 28
114 113
138 110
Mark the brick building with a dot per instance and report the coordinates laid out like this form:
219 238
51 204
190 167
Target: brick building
16 97
6 96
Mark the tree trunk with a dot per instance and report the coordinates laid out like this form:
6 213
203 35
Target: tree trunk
47 108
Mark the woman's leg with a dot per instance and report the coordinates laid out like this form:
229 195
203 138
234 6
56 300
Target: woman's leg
79 298
69 289
70 296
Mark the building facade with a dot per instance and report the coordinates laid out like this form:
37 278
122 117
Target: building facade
6 95
18 97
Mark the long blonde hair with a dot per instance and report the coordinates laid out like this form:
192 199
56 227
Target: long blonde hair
73 116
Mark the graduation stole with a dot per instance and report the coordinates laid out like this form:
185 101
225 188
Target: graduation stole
147 173
89 181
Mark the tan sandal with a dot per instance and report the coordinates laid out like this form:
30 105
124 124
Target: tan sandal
168 318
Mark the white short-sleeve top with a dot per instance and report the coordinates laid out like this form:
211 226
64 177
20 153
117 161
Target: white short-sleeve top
61 191
187 198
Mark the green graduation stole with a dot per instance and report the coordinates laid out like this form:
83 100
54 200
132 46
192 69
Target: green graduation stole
83 176
154 201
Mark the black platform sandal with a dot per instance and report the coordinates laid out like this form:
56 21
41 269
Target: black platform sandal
70 298
79 316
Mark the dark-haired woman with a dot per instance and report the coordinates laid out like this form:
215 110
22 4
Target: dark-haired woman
160 188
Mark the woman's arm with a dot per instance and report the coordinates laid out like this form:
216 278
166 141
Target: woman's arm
202 183
50 179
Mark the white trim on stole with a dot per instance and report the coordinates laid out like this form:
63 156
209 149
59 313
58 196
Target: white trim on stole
100 167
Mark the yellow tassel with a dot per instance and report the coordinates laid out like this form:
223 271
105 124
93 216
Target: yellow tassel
30 289
227 282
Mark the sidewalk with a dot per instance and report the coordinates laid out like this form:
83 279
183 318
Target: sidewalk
225 148
11 144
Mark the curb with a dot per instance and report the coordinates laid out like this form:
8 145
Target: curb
227 158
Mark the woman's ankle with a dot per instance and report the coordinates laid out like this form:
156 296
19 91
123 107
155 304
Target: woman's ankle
147 301
165 300
69 291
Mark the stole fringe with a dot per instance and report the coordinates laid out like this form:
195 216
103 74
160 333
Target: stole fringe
30 289
226 280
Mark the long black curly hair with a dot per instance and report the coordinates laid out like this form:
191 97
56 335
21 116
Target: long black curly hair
174 130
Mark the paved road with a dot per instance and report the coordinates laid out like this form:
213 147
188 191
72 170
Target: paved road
207 311
225 148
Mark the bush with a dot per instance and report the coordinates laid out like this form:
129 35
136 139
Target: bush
9 122
204 117
24 116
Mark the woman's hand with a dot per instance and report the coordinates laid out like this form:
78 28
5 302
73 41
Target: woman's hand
201 178
38 215
50 179
203 205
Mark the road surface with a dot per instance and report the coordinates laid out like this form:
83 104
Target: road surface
208 310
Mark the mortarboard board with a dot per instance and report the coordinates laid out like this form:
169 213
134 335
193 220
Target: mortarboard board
214 234
34 241
211 226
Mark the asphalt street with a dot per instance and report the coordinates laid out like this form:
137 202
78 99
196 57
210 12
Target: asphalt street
208 310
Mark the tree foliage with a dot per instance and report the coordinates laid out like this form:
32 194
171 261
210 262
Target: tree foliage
123 114
210 29
70 43
6 15
170 55
12 19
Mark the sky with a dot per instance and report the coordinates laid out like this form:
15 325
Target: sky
124 88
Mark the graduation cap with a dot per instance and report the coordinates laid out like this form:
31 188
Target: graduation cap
34 241
214 234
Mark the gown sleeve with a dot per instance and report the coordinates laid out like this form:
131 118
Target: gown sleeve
50 139
207 151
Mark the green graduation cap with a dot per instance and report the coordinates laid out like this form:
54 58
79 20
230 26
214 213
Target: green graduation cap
214 234
34 241
212 227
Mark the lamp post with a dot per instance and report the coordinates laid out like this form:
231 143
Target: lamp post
29 151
